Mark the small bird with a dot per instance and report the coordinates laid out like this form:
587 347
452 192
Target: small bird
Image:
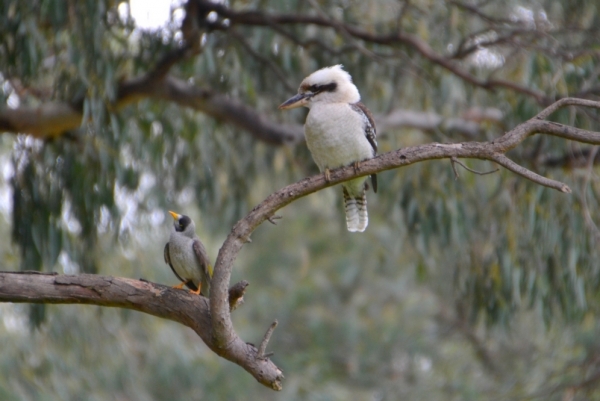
339 131
187 257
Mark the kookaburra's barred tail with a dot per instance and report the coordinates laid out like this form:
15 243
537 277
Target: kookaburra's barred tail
357 218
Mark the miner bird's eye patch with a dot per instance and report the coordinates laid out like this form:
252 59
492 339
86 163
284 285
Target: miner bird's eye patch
184 221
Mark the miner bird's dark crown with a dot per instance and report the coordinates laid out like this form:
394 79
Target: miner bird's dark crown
183 223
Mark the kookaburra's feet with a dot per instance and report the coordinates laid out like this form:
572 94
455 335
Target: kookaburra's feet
197 292
327 174
356 166
180 285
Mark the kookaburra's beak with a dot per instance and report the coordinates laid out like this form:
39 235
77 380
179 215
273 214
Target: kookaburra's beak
175 215
299 100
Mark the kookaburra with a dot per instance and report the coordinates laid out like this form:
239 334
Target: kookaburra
339 131
187 257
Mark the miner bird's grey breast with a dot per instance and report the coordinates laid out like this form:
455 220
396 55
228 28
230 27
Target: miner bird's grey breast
339 131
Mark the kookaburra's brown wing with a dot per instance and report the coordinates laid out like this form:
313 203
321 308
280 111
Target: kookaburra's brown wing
205 265
370 132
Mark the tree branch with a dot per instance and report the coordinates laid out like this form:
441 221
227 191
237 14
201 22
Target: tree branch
158 300
530 175
215 326
55 118
454 160
567 101
262 348
260 18
46 121
224 334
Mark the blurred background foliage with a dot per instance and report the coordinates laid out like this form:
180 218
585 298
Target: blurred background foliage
482 287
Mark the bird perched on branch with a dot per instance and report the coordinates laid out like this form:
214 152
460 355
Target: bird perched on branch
187 257
339 131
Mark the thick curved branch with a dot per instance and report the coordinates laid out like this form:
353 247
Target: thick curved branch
91 289
225 336
230 110
158 300
54 119
46 121
215 326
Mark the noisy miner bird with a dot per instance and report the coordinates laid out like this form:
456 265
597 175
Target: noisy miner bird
339 131
187 257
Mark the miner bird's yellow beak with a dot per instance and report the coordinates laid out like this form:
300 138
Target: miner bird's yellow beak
175 215
297 101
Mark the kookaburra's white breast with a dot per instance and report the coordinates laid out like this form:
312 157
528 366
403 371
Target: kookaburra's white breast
335 135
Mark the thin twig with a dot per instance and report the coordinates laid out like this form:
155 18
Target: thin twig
530 175
263 345
273 218
452 160
455 160
567 101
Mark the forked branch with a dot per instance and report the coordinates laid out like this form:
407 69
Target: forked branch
224 334
213 322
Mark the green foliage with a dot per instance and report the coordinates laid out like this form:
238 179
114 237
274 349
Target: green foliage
472 288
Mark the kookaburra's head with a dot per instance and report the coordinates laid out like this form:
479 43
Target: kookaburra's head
183 224
327 85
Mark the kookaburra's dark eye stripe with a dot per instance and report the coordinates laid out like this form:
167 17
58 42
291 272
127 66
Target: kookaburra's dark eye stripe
331 87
